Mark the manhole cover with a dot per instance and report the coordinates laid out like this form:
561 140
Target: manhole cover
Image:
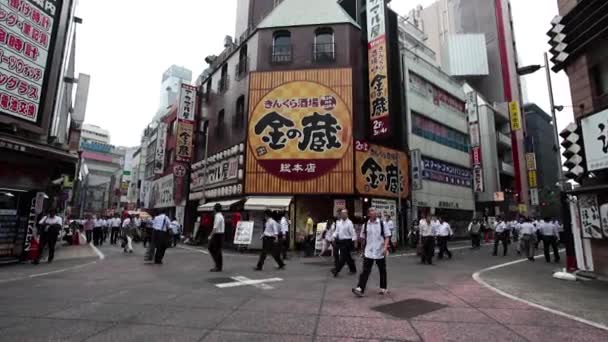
409 308
223 280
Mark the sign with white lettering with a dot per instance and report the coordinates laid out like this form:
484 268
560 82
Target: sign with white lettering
243 233
161 144
187 103
595 136
443 172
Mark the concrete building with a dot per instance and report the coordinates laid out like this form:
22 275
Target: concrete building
170 85
95 134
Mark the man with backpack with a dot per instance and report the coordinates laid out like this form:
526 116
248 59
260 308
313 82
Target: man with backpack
376 238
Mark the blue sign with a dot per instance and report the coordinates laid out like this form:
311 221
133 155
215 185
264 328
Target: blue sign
447 173
95 146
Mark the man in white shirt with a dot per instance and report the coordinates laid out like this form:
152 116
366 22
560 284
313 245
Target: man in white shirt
550 235
49 228
375 237
344 236
158 242
502 235
427 237
216 239
444 233
128 228
106 228
98 231
269 242
115 228
528 237
284 235
390 225
176 231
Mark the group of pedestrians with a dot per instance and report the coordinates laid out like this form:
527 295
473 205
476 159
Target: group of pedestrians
434 230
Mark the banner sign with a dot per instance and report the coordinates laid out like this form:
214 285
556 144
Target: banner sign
27 42
243 233
300 130
590 216
433 93
161 144
187 103
184 141
443 172
474 134
378 68
531 161
472 107
515 114
532 179
604 219
380 171
475 138
534 200
416 169
595 137
161 193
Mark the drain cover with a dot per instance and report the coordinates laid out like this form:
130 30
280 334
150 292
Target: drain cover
409 308
222 280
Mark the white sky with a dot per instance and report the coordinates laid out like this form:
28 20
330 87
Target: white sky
126 46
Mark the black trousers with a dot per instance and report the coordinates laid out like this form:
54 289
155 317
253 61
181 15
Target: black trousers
215 249
345 248
428 249
106 231
284 245
147 235
336 254
550 241
476 240
114 235
269 246
157 246
89 234
48 239
443 247
504 238
367 269
97 236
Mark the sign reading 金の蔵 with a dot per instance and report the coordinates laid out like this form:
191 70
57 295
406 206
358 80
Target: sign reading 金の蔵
378 67
380 171
27 41
184 140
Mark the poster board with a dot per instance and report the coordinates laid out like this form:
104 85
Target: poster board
243 233
318 239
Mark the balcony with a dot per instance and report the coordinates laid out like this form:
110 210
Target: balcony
324 53
503 140
507 169
281 54
241 69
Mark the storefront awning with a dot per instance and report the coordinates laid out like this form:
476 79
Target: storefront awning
267 203
226 205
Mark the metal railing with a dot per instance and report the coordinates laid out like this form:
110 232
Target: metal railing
241 68
281 54
324 53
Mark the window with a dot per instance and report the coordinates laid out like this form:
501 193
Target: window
223 85
431 130
600 78
281 47
220 122
208 91
324 49
241 67
239 117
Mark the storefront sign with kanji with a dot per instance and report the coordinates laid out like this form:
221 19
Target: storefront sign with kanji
187 103
515 114
300 130
378 68
380 171
185 135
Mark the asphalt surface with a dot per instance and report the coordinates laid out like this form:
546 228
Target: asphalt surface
121 299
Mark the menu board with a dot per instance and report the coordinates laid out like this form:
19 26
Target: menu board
8 231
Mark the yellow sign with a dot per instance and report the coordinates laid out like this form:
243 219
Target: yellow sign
523 209
532 179
378 87
380 171
185 134
515 114
300 130
531 161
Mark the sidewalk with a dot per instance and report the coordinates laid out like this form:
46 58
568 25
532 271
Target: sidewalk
533 282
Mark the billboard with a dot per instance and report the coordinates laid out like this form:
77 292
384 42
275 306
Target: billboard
300 131
184 141
443 172
378 68
161 144
380 171
595 137
27 42
161 193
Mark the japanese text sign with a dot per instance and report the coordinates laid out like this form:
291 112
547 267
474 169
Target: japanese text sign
515 114
443 172
187 103
380 171
161 193
595 137
27 40
378 68
531 161
300 130
591 223
532 179
161 144
184 138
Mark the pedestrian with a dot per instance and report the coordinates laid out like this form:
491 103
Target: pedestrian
528 238
376 238
390 225
147 231
89 225
284 235
216 239
329 238
414 234
106 228
550 235
176 229
269 242
159 239
49 228
137 225
427 236
502 235
443 236
309 246
475 232
115 225
345 235
128 231
98 232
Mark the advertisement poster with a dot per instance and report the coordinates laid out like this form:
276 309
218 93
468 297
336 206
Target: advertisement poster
378 68
161 144
27 41
300 131
243 233
321 226
161 193
380 171
591 223
339 204
416 170
442 172
595 137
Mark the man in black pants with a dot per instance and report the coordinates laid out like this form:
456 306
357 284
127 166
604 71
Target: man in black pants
216 239
502 235
98 232
115 224
269 243
427 235
550 237
344 236
376 238
49 229
159 241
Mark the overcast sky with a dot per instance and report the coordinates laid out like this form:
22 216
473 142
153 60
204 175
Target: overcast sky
126 46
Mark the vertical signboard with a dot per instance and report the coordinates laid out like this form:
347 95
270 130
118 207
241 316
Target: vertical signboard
187 103
515 115
161 144
475 138
416 170
27 42
590 216
185 136
595 137
378 68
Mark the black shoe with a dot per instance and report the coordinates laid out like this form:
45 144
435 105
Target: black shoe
257 268
215 270
158 262
282 267
35 262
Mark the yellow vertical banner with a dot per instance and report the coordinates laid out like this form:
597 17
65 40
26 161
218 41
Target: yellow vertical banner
515 115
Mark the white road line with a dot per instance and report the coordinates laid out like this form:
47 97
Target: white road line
436 250
477 278
31 276
193 249
242 281
95 249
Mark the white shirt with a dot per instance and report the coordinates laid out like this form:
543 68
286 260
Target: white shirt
501 227
548 228
436 226
115 222
527 228
425 228
137 222
51 220
174 225
98 223
374 243
390 225
284 225
445 230
329 236
271 228
218 224
160 222
345 230
126 222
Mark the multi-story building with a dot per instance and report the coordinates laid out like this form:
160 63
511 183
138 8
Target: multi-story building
170 86
95 134
39 121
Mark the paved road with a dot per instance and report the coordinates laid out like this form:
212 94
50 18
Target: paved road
121 299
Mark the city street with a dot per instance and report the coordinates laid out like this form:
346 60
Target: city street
118 298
